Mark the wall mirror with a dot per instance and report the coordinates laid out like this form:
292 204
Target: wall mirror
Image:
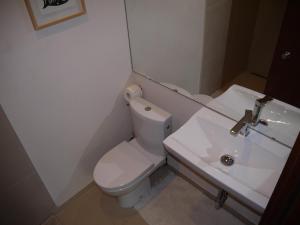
224 54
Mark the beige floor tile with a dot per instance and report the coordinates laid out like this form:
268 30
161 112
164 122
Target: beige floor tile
182 203
248 80
174 201
93 207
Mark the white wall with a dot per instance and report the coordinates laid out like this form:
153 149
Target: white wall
217 16
180 42
60 88
181 107
166 40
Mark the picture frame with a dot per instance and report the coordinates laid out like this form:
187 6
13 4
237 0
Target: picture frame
45 13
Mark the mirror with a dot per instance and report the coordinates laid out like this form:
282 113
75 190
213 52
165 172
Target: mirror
201 48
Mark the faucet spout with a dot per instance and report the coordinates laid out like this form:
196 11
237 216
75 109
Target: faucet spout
259 104
242 127
251 118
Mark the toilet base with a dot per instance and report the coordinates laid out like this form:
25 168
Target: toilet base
130 199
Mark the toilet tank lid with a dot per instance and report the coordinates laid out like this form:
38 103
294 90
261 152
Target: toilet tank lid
148 110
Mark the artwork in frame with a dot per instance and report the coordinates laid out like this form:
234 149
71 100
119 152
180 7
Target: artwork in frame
44 13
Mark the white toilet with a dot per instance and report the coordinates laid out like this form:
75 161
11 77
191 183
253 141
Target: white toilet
124 170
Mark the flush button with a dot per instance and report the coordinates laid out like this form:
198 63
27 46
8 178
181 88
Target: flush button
147 108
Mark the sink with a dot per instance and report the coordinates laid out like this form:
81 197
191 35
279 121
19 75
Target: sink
283 119
258 160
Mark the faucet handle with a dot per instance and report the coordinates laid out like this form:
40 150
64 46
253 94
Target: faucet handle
264 100
248 116
242 126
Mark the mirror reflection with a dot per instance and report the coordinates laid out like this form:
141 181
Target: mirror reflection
226 54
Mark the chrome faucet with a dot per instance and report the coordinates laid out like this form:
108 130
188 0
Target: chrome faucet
242 127
259 104
251 118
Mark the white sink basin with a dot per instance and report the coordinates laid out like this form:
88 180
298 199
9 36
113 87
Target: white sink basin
283 119
258 160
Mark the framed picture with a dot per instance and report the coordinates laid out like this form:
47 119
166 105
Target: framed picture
44 13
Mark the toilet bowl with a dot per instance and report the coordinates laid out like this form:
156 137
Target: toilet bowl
124 171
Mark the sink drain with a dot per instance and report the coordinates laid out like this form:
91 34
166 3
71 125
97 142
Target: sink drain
227 160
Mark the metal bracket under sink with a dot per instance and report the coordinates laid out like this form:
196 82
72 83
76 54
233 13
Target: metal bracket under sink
221 198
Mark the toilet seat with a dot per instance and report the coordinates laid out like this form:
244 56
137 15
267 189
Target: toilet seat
121 168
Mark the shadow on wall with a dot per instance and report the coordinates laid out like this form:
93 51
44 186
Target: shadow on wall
116 128
25 200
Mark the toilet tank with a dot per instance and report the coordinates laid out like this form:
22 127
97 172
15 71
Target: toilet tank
151 125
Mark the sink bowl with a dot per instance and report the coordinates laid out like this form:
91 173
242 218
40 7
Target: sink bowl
283 119
258 160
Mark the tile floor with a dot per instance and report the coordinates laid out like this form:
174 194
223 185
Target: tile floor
251 81
172 201
245 79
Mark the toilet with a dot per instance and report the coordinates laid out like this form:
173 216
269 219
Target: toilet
124 171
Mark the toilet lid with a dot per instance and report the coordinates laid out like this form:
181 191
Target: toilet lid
121 166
